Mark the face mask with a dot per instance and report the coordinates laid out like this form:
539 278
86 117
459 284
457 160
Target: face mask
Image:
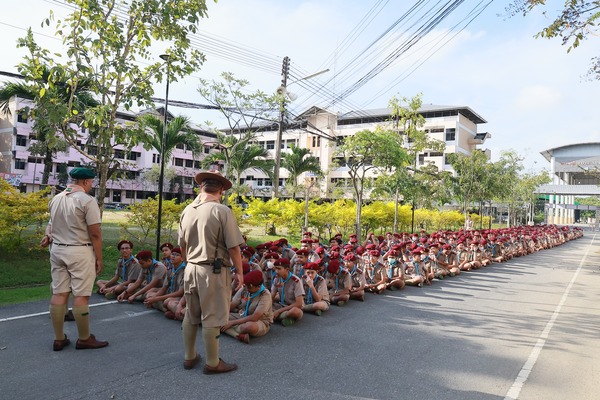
392 261
270 265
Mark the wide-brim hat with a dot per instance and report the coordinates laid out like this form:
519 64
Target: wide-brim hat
214 175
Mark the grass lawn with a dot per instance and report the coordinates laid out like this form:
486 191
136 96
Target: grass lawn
26 276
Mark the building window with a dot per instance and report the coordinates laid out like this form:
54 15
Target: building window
21 140
73 164
130 194
179 162
281 182
120 154
197 165
446 159
155 159
316 141
133 155
260 182
270 144
250 178
189 163
206 149
268 182
436 130
22 117
435 154
188 180
450 134
93 150
180 146
421 159
19 164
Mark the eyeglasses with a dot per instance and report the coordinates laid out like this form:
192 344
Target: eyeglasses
125 248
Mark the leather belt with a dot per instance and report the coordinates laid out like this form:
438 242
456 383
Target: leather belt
72 245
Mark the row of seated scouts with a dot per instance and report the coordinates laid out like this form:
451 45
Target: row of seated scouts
281 283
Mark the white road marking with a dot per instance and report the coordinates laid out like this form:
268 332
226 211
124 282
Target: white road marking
128 314
515 389
48 312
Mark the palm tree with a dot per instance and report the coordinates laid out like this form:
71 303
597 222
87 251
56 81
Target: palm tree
297 163
239 156
179 131
48 142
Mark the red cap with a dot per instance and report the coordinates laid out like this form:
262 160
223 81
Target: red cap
144 255
333 266
350 257
284 262
122 242
312 265
254 278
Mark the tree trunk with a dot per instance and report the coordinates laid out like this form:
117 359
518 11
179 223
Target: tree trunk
48 159
396 212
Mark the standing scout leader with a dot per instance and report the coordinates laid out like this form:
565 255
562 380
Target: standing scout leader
75 257
210 239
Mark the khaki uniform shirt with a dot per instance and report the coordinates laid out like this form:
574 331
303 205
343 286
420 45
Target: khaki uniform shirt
174 278
358 277
72 211
261 303
156 271
291 289
128 270
207 230
320 287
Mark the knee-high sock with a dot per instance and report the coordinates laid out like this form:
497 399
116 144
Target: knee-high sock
57 315
210 336
82 319
189 333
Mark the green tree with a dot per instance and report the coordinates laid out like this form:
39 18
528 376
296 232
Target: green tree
298 161
470 171
108 44
179 132
576 22
367 151
47 121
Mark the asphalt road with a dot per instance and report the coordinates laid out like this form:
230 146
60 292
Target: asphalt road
525 329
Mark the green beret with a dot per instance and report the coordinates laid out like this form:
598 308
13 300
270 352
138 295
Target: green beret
82 173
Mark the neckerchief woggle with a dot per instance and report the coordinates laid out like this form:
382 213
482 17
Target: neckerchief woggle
282 299
124 263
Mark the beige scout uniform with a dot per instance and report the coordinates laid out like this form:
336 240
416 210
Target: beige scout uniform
175 278
358 277
207 230
128 270
288 290
72 255
261 303
339 281
321 288
158 271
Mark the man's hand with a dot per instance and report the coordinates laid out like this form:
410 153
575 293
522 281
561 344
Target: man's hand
98 267
45 242
240 277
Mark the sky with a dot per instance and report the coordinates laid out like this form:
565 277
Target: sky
532 93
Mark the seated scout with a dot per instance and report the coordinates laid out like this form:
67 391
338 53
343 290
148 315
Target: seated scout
151 279
299 261
339 283
251 309
287 293
415 269
166 249
168 297
448 260
377 281
315 287
128 270
357 291
395 272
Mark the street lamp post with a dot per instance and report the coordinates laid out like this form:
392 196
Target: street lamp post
162 159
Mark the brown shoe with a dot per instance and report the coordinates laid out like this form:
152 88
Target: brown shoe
90 343
60 344
69 316
222 368
190 364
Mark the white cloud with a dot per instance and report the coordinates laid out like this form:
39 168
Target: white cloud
538 98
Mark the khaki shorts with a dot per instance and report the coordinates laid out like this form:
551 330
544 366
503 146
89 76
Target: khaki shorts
263 326
73 269
207 294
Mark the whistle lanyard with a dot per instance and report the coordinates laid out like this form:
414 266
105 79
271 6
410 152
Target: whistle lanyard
174 275
252 296
124 264
282 299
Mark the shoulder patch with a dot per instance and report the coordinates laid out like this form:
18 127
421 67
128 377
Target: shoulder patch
295 278
360 271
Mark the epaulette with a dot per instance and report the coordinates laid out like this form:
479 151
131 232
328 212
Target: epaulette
360 271
295 278
344 271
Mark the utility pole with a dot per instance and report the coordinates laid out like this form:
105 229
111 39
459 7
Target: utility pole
284 75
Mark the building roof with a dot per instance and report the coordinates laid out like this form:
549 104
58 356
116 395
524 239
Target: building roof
428 111
577 190
578 148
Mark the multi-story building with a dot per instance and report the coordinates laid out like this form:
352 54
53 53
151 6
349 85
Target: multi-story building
127 186
320 129
457 127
